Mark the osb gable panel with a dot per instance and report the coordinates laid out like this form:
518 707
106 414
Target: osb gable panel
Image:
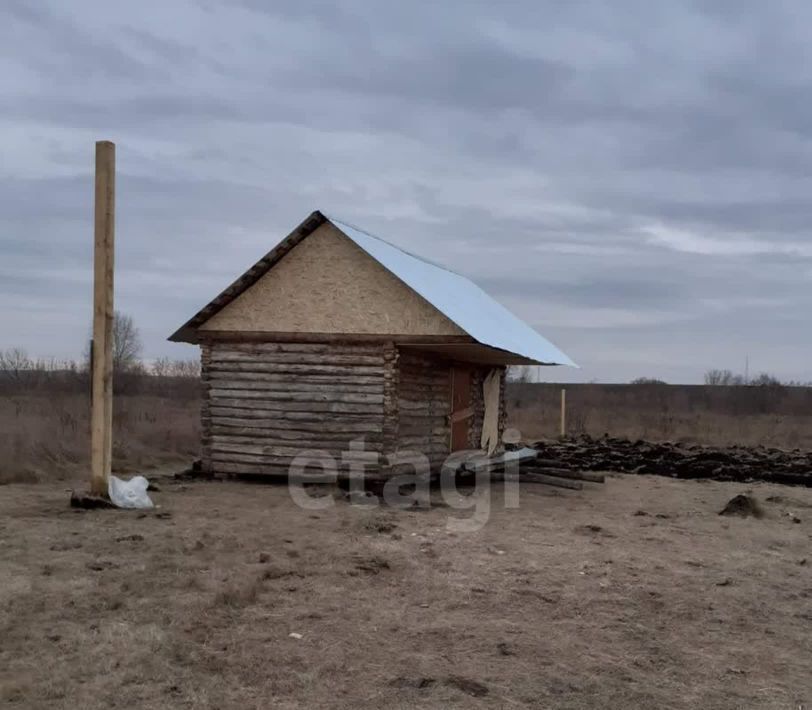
327 284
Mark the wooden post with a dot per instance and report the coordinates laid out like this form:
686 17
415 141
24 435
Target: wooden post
101 416
563 412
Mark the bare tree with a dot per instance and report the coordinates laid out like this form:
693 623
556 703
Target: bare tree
765 379
161 367
186 368
126 346
15 361
723 378
647 381
164 367
520 373
126 343
715 377
727 378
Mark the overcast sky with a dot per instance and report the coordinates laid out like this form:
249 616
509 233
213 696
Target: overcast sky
634 179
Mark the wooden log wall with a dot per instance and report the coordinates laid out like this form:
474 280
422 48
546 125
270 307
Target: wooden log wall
424 403
391 380
503 417
205 409
264 403
478 403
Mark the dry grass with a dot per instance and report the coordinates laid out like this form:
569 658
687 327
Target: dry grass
636 594
44 434
47 437
714 416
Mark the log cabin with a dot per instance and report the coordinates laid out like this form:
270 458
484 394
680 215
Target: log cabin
338 344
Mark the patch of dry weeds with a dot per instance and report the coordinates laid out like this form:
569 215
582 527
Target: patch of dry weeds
240 599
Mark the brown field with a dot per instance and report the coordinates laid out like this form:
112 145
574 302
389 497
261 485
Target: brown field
46 436
635 594
780 417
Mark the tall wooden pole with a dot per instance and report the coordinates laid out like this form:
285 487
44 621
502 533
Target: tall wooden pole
563 412
101 417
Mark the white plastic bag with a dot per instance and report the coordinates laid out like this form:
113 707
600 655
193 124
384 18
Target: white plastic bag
129 494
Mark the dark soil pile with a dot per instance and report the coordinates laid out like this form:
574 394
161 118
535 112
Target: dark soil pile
743 506
735 463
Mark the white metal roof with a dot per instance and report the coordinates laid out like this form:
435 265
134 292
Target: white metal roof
459 299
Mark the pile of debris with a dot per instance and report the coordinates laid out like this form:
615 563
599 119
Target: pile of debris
734 463
521 464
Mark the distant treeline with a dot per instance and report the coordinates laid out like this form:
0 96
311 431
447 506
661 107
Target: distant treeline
21 374
777 415
720 378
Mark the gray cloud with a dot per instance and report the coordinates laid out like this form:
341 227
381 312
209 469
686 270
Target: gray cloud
632 179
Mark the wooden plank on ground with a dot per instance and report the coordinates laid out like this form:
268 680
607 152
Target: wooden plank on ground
497 463
539 478
566 473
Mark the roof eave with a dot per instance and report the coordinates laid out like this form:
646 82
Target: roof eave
187 333
184 334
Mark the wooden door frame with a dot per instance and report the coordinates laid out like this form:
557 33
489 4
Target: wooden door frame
466 414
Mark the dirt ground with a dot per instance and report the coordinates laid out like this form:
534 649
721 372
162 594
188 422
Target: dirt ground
635 594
